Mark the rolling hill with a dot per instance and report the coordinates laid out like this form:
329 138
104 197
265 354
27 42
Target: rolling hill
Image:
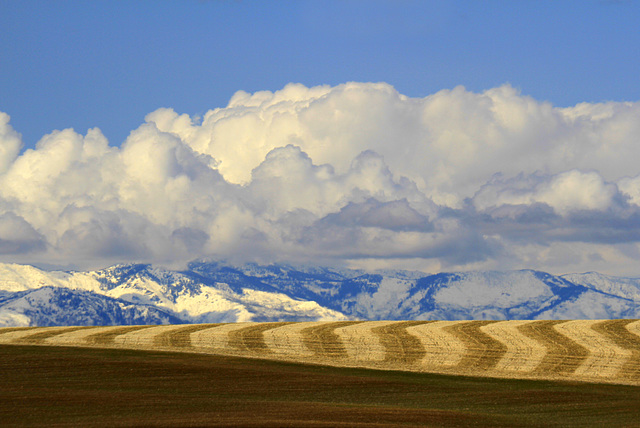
602 351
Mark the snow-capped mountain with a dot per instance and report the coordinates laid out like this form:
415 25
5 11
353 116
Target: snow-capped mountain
166 296
51 306
617 286
219 292
521 294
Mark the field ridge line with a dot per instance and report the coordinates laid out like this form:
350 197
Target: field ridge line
40 337
75 337
179 337
9 334
144 338
108 335
5 330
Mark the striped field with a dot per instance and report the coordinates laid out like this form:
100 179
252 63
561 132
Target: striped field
605 351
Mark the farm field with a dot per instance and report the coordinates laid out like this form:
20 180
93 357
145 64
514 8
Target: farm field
94 387
600 351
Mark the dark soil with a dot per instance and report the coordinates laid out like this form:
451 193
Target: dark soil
59 386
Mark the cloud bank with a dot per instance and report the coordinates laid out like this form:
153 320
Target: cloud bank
357 174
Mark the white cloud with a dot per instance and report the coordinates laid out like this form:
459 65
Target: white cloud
630 187
564 192
447 143
17 236
10 143
355 173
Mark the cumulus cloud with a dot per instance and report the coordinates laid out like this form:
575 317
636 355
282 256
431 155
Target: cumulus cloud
564 192
17 236
355 174
10 143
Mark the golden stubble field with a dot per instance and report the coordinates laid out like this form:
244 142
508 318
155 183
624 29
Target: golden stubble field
603 351
318 374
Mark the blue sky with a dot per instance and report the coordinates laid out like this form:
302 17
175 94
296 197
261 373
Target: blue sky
83 64
422 135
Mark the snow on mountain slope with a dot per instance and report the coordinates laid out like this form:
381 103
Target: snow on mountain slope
494 295
52 306
14 277
195 299
499 289
186 295
628 288
398 295
592 306
219 292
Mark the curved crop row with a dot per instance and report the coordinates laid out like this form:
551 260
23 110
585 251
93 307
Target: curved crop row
605 351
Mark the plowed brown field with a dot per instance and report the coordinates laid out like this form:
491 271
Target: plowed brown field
96 387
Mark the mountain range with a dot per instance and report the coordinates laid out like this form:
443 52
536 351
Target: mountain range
212 292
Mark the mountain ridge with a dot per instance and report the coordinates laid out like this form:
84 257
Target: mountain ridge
209 292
